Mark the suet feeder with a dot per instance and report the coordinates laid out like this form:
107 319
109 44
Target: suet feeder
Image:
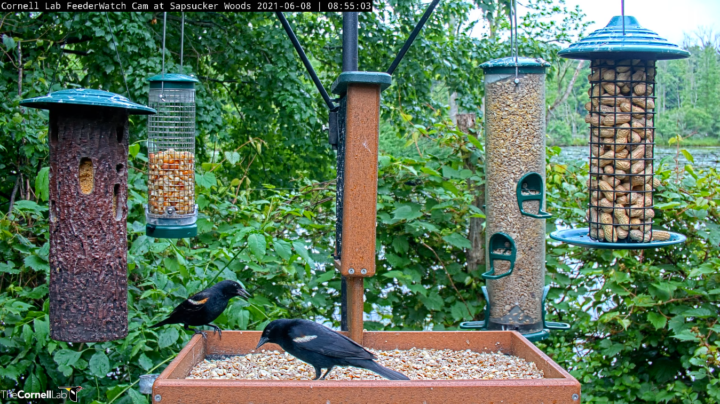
88 138
515 197
171 211
621 114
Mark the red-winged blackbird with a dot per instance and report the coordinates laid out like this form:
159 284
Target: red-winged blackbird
204 307
322 347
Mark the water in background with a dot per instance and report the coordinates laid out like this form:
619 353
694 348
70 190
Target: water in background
704 157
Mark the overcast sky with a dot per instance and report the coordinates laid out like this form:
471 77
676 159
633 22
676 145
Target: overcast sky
669 18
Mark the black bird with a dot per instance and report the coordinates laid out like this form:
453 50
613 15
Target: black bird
204 307
322 347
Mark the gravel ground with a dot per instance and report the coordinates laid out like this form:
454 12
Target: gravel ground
417 364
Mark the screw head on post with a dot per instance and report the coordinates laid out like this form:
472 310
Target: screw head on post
351 271
363 271
158 397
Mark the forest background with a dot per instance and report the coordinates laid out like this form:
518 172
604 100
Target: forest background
644 324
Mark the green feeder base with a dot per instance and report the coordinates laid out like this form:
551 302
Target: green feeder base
533 336
160 231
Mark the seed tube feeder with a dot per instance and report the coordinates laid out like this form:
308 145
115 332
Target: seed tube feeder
88 138
621 114
515 197
171 211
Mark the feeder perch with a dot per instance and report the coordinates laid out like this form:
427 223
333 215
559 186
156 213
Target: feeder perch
501 247
171 211
621 117
515 170
531 187
88 209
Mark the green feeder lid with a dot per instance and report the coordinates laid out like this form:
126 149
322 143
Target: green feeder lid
507 65
172 80
636 43
84 96
341 83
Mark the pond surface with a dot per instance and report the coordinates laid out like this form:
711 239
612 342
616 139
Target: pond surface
705 157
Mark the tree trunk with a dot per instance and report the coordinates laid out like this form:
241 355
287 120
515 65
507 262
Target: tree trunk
476 253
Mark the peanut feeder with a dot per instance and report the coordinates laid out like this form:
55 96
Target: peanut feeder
621 115
171 211
88 138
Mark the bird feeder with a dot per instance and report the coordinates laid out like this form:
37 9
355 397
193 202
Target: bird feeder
88 138
515 197
171 211
621 114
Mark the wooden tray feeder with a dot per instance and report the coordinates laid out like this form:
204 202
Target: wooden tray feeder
88 137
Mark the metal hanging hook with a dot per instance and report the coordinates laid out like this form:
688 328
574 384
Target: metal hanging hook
182 41
622 11
515 44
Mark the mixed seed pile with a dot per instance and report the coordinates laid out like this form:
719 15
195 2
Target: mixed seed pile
515 146
417 364
172 182
622 136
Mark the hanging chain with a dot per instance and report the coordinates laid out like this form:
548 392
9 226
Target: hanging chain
182 42
117 53
514 44
163 50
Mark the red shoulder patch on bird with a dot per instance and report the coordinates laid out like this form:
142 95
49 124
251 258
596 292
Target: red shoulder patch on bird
198 302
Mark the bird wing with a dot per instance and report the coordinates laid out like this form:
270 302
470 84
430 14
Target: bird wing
194 303
322 340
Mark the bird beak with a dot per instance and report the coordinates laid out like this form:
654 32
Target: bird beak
262 342
244 293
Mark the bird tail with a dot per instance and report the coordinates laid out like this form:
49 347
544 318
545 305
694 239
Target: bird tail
166 321
381 370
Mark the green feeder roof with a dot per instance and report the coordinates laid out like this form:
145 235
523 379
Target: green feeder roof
636 43
84 96
507 65
172 80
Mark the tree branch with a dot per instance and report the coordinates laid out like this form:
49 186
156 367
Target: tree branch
568 90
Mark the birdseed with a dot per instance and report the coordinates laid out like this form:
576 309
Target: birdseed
515 146
415 363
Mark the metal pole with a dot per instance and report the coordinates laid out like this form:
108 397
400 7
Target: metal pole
414 34
305 60
350 63
182 41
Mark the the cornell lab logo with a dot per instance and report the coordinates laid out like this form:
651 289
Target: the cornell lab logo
72 392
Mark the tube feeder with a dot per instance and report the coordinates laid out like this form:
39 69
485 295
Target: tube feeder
171 211
88 138
622 132
515 198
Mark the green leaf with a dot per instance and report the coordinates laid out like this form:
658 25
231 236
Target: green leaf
206 180
686 335
42 189
32 383
8 268
457 240
36 263
400 244
299 247
407 211
42 330
257 244
699 312
283 249
432 302
134 149
136 397
99 364
459 311
475 141
29 206
145 362
168 337
657 320
232 157
687 155
325 277
66 357
396 274
10 44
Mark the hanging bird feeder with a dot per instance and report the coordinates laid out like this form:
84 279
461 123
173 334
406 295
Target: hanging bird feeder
515 198
621 114
88 137
171 211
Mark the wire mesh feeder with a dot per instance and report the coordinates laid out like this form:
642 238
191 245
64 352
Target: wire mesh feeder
171 211
622 132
